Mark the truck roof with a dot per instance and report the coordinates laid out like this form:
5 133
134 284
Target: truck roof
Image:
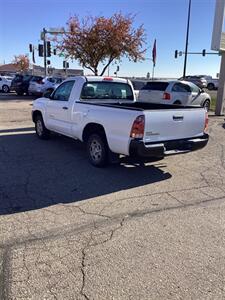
100 78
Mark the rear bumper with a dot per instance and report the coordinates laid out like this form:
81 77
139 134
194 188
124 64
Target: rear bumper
165 148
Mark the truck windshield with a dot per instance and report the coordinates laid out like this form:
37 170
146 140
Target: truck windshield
107 90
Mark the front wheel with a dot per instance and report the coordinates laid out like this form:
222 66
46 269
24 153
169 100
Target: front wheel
210 86
206 105
41 131
97 150
5 88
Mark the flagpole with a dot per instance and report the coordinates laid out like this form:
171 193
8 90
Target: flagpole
153 69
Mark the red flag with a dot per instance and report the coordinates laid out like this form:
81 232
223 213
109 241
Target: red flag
154 53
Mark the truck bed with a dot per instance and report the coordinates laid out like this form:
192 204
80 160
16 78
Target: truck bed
140 106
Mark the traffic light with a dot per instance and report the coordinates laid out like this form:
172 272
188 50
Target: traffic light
54 51
30 47
48 62
176 53
40 50
48 44
203 52
65 65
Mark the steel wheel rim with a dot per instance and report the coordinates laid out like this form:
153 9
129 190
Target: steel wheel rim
95 150
39 127
5 89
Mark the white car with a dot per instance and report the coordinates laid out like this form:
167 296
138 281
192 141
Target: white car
212 83
174 92
38 86
102 112
5 84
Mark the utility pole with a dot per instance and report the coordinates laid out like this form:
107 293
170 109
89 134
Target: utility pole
187 37
44 54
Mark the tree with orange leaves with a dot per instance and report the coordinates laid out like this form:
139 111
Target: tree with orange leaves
22 62
96 40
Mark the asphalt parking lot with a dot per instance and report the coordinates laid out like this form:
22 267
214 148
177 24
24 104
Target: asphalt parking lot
71 231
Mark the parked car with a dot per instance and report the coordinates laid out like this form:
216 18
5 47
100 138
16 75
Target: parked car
137 85
103 113
20 83
5 84
212 83
174 92
196 79
40 86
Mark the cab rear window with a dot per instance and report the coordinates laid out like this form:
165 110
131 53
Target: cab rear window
107 90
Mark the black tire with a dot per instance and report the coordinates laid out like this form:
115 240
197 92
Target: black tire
206 104
5 88
97 150
210 86
41 131
177 102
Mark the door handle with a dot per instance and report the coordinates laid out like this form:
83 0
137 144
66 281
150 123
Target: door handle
178 118
65 107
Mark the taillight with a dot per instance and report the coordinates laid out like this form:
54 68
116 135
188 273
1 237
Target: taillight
40 81
138 127
166 96
206 122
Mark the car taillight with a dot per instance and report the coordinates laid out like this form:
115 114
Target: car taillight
206 122
138 127
166 96
40 81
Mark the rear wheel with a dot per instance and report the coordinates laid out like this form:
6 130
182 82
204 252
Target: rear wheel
41 131
5 88
97 149
210 86
206 105
177 102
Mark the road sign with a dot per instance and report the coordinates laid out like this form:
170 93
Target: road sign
56 30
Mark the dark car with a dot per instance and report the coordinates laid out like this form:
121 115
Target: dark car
196 79
20 83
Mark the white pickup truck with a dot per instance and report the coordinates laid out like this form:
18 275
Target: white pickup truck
103 113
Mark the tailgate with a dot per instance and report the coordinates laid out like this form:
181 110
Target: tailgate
173 124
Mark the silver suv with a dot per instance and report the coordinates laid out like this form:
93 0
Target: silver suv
44 84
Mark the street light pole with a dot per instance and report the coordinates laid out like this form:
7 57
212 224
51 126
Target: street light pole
187 36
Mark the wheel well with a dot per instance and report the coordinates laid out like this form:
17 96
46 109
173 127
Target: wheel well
92 128
206 100
35 114
177 102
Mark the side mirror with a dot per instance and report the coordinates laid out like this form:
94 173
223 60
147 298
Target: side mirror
201 91
47 94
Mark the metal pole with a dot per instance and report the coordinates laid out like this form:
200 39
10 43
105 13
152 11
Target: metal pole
187 36
221 88
44 54
153 69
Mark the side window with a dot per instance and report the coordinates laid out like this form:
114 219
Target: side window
62 93
181 88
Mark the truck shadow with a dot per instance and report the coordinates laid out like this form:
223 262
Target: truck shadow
37 174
